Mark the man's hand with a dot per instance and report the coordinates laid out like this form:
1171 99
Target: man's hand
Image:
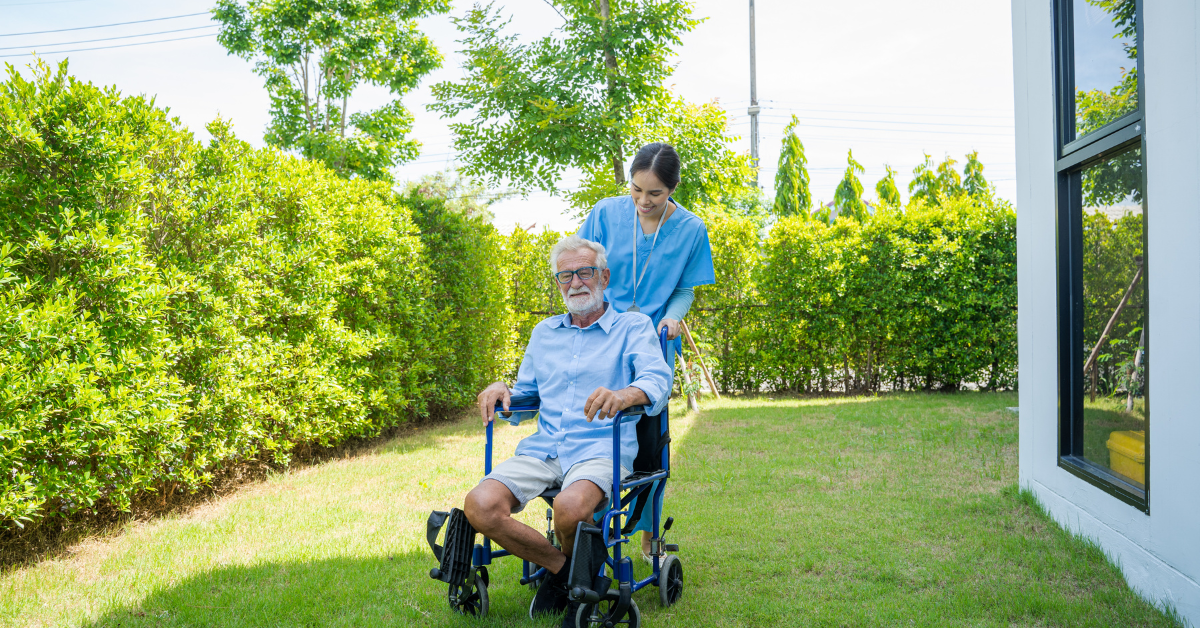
672 326
605 403
488 398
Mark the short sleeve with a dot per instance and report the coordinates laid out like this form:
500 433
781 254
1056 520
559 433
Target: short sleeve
593 227
698 271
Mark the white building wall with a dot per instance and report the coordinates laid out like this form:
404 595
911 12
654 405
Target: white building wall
1159 553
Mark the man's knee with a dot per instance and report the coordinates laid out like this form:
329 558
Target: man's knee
488 503
578 502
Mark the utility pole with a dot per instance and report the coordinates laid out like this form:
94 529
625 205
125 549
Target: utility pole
754 108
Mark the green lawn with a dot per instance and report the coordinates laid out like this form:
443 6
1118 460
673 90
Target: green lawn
891 511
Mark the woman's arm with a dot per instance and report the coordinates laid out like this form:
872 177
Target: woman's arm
676 308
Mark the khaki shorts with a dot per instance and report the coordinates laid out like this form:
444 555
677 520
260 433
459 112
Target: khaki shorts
527 477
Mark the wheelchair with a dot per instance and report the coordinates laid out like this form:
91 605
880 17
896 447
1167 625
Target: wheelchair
603 584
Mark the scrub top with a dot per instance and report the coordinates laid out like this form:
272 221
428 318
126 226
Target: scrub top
682 258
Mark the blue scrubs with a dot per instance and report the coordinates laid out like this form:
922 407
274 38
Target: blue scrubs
681 258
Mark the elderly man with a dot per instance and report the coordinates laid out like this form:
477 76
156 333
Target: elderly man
585 366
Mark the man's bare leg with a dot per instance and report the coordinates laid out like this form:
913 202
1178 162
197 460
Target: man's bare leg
489 506
575 503
489 509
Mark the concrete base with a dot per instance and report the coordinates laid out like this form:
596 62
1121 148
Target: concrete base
1152 578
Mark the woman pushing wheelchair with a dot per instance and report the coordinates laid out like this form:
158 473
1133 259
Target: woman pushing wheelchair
658 253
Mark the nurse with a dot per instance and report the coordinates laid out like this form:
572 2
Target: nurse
658 252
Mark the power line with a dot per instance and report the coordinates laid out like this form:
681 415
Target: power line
800 105
88 41
83 28
140 43
885 111
860 128
805 117
22 4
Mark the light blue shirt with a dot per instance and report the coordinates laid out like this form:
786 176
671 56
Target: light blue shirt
564 365
682 258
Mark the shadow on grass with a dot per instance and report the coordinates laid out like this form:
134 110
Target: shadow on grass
376 591
52 538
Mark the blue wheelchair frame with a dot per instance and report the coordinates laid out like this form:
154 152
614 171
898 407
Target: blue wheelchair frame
483 554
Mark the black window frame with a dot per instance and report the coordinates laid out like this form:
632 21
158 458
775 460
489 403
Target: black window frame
1072 156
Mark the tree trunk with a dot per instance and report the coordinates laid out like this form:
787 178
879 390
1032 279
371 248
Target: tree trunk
610 64
307 100
322 78
345 103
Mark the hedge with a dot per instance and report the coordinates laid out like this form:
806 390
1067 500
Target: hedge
168 309
923 298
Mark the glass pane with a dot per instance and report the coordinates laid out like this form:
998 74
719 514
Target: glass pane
1114 302
1105 33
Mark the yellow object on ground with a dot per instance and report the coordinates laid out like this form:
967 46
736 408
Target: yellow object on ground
1127 454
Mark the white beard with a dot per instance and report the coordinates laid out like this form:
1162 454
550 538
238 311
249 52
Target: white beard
581 301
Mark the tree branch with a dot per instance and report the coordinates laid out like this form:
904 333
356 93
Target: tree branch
556 10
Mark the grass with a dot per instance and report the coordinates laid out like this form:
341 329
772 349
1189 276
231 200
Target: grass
892 511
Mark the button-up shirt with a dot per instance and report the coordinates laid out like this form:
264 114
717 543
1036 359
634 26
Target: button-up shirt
564 365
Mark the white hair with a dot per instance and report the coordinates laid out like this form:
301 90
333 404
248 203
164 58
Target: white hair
575 243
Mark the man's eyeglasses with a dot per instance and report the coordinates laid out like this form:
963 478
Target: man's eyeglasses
585 273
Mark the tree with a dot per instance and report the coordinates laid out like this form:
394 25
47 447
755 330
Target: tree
974 183
924 185
567 100
889 196
932 184
1096 108
792 197
949 181
847 198
1119 178
313 54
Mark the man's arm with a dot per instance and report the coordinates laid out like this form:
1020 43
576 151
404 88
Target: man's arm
651 377
499 391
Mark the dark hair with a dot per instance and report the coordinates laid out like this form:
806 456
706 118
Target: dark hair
660 159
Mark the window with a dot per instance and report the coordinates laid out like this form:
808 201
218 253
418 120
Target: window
1102 258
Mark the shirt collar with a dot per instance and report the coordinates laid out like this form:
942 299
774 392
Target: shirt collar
605 322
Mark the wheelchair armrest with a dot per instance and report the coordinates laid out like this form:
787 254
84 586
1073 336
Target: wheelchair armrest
520 408
523 401
631 414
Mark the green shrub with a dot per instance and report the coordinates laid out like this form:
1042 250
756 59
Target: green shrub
167 308
533 295
924 299
92 407
470 337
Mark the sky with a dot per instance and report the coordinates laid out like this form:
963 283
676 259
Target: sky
1100 57
889 80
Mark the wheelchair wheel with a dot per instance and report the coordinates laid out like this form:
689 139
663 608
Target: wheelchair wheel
599 615
670 580
471 597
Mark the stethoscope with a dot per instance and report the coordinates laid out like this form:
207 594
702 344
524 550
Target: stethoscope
637 227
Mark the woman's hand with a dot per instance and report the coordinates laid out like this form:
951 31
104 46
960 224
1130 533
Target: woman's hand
672 326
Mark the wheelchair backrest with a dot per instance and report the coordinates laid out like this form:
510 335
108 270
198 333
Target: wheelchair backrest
653 432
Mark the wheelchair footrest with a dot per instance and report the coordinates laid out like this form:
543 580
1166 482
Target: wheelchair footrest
455 556
585 581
